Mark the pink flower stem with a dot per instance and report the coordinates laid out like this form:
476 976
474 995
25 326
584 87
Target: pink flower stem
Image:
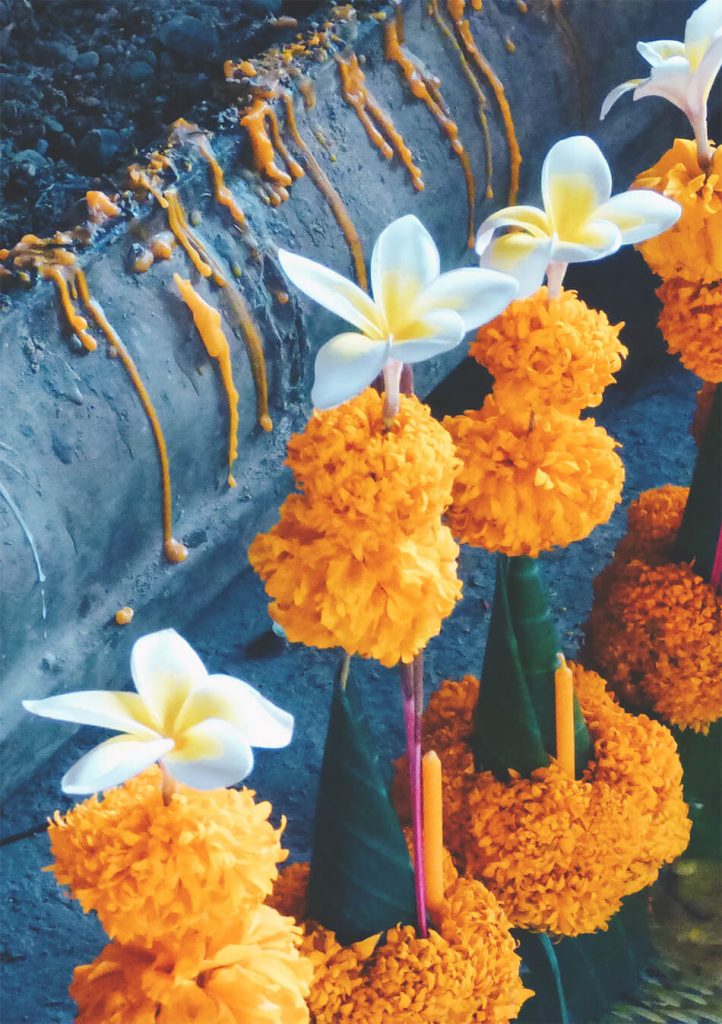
716 574
411 684
392 383
555 276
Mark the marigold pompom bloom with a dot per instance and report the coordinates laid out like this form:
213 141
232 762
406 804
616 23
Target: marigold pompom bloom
347 462
559 853
703 407
653 522
542 354
656 630
371 592
692 248
691 322
528 487
247 972
151 870
467 972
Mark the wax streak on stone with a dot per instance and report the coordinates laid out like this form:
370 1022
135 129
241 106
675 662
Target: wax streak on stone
173 550
386 136
323 184
208 324
259 120
77 322
100 207
427 88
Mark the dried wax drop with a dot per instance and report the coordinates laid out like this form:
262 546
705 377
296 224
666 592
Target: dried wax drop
174 551
124 616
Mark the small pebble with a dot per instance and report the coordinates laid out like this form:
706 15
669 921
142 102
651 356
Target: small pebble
98 150
87 61
138 72
193 40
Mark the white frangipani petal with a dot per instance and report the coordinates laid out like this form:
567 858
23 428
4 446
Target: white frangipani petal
476 295
334 292
180 714
522 257
112 762
437 332
619 90
404 261
165 669
595 240
575 180
256 718
527 218
346 365
106 709
683 72
640 214
213 754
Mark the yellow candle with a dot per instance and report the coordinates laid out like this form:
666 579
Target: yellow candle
564 694
433 832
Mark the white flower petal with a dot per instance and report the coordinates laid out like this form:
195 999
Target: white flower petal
337 293
528 218
522 257
436 332
403 262
165 669
112 762
212 755
670 81
640 214
107 709
702 25
260 722
346 365
476 295
575 180
704 76
660 50
619 90
598 238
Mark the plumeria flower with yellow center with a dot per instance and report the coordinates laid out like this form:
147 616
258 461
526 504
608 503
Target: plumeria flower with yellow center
415 313
200 727
581 219
682 72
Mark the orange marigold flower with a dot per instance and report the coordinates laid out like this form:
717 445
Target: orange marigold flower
691 322
528 486
349 464
653 522
467 972
559 853
692 248
378 593
703 407
151 870
542 354
656 630
249 971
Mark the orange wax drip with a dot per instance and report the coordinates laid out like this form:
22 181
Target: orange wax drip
305 87
497 88
336 204
143 262
185 236
117 346
208 324
477 4
196 251
426 88
564 712
222 192
140 178
257 121
476 88
162 245
522 6
77 322
100 207
358 96
124 616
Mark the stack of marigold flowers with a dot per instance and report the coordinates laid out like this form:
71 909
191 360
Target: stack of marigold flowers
360 559
180 889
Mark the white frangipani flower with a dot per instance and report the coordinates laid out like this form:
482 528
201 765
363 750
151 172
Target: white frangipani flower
682 73
581 219
200 727
415 312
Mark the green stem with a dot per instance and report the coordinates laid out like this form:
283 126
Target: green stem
699 535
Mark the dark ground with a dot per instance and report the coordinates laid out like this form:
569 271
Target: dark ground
86 84
44 932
